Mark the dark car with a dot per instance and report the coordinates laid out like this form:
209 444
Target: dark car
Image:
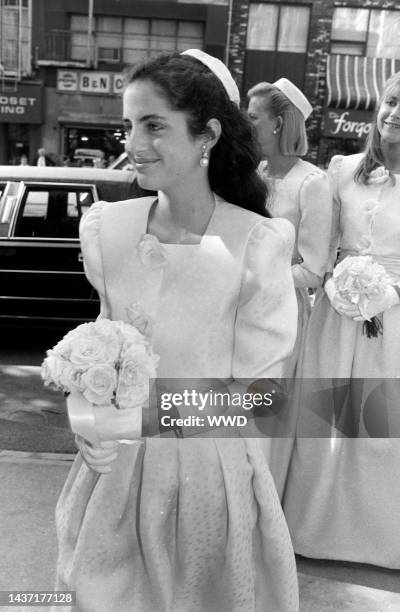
41 270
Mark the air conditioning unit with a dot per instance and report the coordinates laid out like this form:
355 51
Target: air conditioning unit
108 54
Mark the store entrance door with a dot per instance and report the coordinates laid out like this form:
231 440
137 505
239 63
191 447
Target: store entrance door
18 143
91 146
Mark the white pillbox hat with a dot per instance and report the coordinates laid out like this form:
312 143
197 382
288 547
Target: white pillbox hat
296 96
220 70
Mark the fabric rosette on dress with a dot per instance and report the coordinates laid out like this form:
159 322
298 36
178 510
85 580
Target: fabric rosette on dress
151 252
378 176
104 368
360 280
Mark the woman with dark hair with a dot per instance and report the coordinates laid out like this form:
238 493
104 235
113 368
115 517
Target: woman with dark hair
342 495
300 192
193 524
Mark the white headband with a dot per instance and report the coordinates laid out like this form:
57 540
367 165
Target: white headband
220 71
296 96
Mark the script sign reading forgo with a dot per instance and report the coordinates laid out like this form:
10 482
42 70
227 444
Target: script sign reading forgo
24 105
347 123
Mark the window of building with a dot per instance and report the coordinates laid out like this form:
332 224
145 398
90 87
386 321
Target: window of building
15 36
108 39
274 27
384 34
349 30
16 3
276 44
368 32
129 40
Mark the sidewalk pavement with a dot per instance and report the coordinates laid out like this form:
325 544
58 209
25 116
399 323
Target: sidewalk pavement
30 483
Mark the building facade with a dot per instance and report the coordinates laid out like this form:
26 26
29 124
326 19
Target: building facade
72 72
61 64
338 52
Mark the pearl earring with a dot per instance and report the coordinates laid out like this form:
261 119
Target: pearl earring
204 160
275 131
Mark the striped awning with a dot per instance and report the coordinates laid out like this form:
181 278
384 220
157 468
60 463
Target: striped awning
357 82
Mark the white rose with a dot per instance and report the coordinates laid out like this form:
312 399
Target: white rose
138 366
88 350
98 384
108 332
52 369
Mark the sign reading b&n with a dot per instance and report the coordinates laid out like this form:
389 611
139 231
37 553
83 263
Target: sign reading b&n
89 82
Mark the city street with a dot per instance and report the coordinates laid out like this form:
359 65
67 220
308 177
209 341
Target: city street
36 451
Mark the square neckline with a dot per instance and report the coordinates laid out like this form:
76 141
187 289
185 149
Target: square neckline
180 244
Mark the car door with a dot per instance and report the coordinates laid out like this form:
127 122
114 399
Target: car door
42 273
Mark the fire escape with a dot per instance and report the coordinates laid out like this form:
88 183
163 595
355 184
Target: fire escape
15 42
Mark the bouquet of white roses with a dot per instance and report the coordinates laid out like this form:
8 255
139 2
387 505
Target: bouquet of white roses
360 280
101 364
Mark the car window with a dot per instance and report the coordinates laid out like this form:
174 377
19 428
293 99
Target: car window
53 212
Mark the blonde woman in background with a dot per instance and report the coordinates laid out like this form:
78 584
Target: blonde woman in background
343 495
300 192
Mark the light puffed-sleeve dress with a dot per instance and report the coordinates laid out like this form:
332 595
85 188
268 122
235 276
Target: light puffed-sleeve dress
343 491
303 197
190 524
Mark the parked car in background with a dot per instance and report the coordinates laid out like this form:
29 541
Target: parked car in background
41 269
88 157
121 163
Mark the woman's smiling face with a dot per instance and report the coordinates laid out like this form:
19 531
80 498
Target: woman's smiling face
158 141
388 119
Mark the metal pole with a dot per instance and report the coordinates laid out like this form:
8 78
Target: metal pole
29 67
90 33
228 32
19 50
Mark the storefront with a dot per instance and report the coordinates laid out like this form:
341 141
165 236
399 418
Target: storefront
354 84
89 118
21 112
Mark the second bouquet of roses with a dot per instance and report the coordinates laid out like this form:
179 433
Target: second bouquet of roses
103 367
361 281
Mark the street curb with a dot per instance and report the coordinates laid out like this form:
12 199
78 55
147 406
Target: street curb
63 459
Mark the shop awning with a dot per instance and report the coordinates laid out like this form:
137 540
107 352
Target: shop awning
103 120
356 82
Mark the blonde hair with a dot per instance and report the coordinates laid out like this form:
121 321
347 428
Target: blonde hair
293 137
373 156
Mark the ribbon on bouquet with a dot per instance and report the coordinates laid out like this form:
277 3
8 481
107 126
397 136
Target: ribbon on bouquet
98 424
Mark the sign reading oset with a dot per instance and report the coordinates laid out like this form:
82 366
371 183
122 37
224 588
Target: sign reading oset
22 105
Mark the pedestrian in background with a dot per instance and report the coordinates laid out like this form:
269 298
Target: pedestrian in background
42 159
100 162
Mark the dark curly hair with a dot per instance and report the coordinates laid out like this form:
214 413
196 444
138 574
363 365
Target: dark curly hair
190 86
